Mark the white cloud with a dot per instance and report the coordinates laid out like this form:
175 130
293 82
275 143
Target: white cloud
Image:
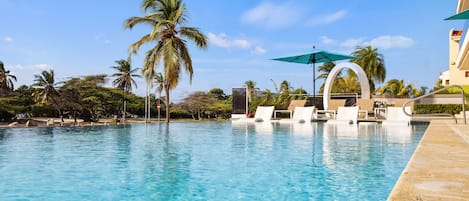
352 42
259 51
15 67
328 19
41 67
241 43
222 40
273 15
33 67
382 42
218 40
8 39
328 41
388 42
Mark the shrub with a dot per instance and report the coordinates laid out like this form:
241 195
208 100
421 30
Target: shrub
438 108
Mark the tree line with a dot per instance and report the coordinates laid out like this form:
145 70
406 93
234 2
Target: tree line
168 40
87 98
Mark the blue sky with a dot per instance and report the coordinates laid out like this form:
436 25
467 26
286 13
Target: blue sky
86 37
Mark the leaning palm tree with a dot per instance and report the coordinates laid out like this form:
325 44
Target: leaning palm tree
6 79
167 17
47 92
372 63
124 78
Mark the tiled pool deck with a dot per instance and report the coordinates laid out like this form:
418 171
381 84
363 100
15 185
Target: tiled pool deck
439 168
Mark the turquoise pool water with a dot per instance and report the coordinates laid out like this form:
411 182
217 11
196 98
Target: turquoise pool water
204 161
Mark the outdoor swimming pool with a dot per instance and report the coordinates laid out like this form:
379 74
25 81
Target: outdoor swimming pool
204 161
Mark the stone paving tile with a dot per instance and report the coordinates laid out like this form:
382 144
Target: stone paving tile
439 168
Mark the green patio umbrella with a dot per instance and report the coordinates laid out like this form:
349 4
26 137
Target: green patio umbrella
316 56
460 16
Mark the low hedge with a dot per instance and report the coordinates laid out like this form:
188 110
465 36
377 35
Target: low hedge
438 108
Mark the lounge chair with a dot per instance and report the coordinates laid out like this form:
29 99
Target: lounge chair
365 106
291 107
334 104
300 115
263 114
345 115
396 116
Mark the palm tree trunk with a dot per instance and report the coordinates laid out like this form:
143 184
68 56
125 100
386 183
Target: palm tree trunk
166 90
149 103
123 115
146 105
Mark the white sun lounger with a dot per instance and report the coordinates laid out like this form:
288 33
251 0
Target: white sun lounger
345 115
396 116
263 114
300 115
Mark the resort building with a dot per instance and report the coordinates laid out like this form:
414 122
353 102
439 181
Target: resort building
458 72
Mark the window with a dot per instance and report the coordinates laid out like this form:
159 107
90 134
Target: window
467 73
446 82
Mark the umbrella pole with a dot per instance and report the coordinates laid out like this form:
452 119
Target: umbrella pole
314 84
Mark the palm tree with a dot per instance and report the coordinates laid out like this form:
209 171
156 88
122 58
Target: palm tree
397 88
124 78
48 93
285 88
166 18
348 84
324 70
372 63
250 85
6 79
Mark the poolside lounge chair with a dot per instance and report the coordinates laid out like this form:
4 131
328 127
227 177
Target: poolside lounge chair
331 111
345 115
263 114
300 115
291 107
396 116
365 106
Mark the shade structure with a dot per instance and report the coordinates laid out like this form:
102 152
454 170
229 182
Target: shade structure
316 56
460 16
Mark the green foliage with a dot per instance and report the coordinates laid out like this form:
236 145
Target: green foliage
217 93
6 80
372 63
398 88
438 108
180 113
169 37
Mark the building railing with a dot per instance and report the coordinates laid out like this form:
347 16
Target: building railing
437 91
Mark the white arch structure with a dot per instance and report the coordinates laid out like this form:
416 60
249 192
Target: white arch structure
365 87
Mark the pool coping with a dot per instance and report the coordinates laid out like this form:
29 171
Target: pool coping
439 167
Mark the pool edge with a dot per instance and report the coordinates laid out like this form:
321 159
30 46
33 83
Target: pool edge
438 168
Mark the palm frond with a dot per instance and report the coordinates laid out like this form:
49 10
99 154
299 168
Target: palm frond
194 35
